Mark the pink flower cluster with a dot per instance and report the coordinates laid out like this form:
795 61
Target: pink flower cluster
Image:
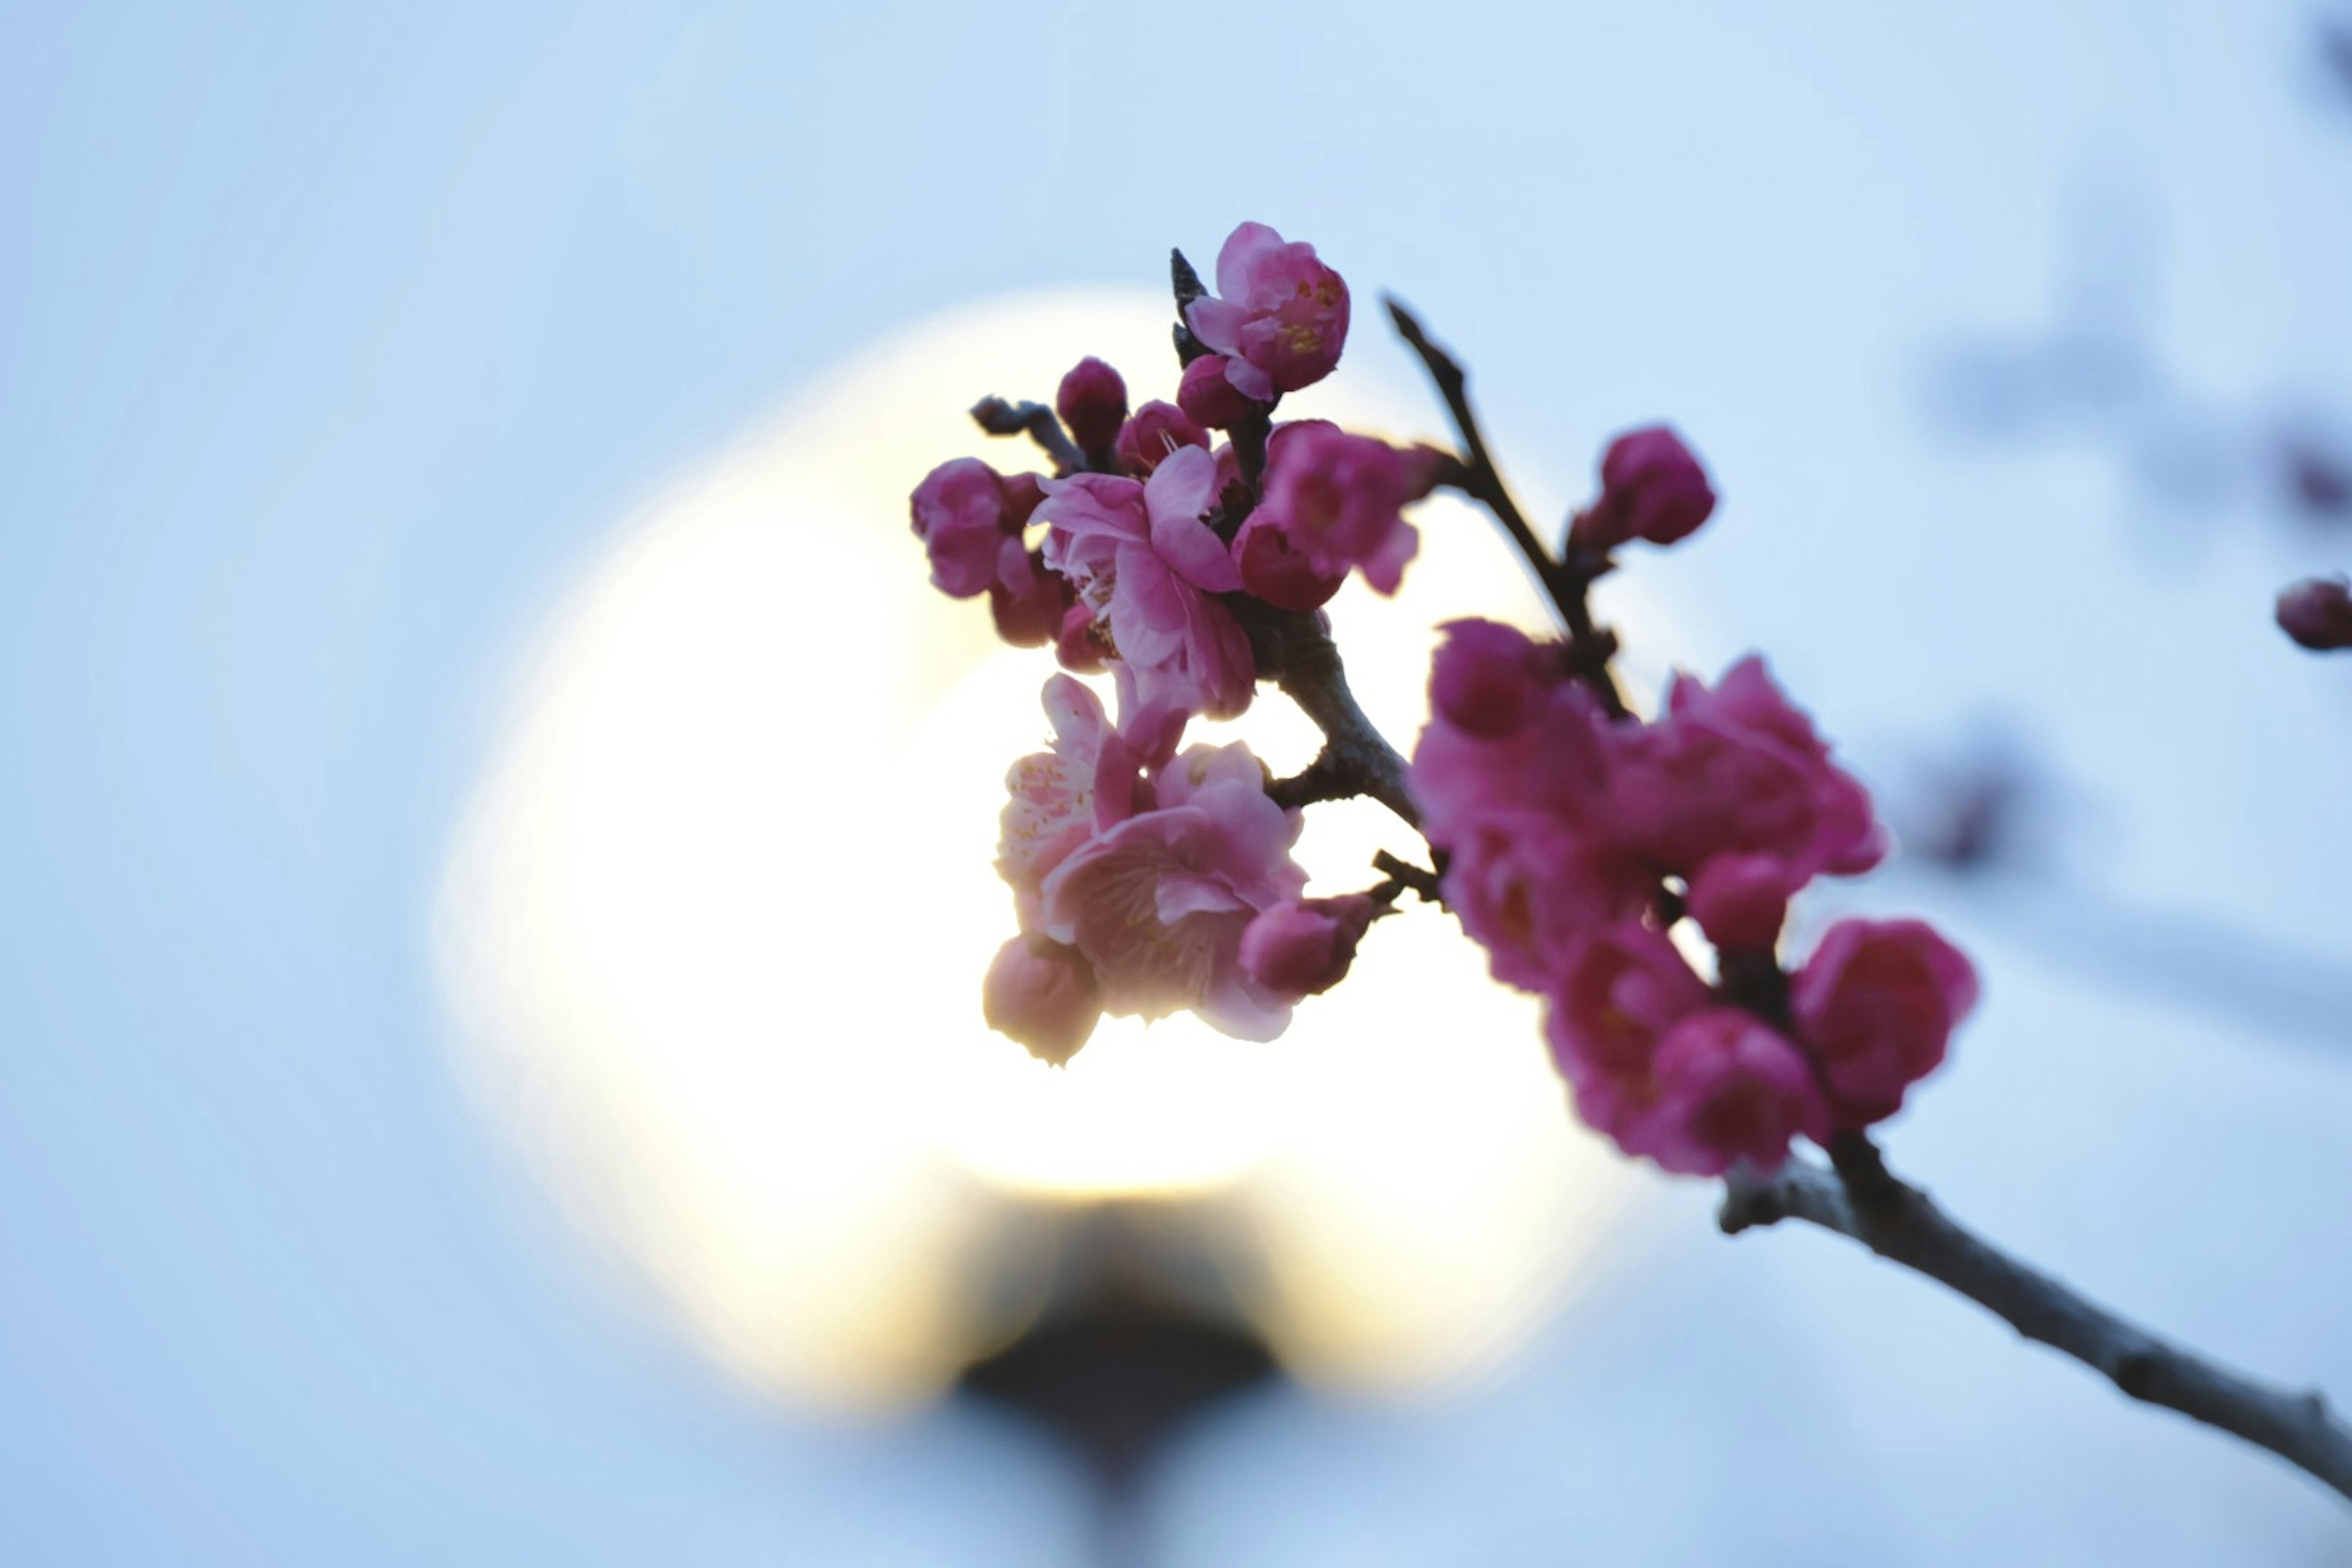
1148 549
1563 829
1146 880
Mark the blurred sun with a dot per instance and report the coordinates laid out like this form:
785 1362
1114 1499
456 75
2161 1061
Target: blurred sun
713 926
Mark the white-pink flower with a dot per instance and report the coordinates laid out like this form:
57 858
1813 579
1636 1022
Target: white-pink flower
1146 566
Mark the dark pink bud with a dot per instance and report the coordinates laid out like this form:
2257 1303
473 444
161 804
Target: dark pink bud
957 512
1878 1004
1043 994
1023 494
1080 645
1156 429
1093 403
1276 572
1302 947
2317 613
1029 607
1651 488
1739 900
1488 680
1208 396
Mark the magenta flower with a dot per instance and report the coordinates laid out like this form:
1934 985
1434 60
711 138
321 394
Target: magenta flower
1158 902
1303 947
1281 318
1729 1089
1141 559
1738 769
1208 394
1489 680
1156 431
1612 1001
1339 498
958 513
1651 488
1876 1003
1274 568
1528 889
1043 994
1510 736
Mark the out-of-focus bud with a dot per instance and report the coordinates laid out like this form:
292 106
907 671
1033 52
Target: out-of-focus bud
2317 613
1302 947
1156 429
1208 396
1044 995
1651 488
1739 900
1093 403
1080 645
1023 494
957 512
1488 680
1273 571
1029 606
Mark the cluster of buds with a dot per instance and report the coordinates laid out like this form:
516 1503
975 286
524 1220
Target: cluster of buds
1635 874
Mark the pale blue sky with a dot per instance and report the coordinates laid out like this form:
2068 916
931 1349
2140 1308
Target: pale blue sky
331 340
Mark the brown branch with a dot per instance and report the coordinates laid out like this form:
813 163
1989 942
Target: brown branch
1295 650
1903 1225
1565 584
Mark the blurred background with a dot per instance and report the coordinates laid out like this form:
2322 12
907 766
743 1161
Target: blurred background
494 842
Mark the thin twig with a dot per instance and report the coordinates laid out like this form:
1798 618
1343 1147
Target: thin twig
1295 652
1568 584
1037 422
1903 1225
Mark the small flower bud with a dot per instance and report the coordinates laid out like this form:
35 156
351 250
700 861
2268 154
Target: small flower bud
1093 403
1302 947
1029 604
1739 900
1276 572
1651 488
957 512
2317 613
1044 995
1489 679
1156 429
1208 396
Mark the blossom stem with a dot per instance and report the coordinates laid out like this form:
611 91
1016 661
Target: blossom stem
1565 584
1903 1225
1036 421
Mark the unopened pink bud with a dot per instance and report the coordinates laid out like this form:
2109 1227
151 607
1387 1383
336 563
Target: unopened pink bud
1651 488
1156 429
1276 572
1093 403
1029 606
2317 613
1207 394
1044 995
1023 492
1739 900
1488 680
957 512
1080 644
1302 947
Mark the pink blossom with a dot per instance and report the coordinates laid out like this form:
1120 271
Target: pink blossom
1488 680
1209 395
1274 569
1528 889
1158 902
1651 488
1339 498
1029 604
1612 1001
1090 781
958 513
2317 613
1303 947
1738 769
1142 560
1092 401
1876 1003
1043 994
1739 900
1156 431
1281 318
1729 1089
